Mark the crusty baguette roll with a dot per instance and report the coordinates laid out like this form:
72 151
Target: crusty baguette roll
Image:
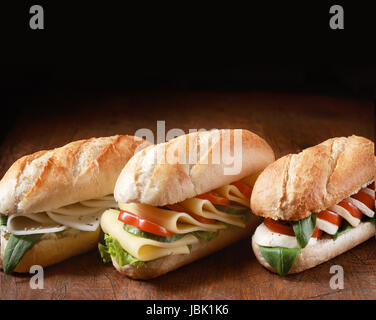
201 249
80 170
47 252
147 179
296 185
324 249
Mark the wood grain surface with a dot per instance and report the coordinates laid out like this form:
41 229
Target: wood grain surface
288 122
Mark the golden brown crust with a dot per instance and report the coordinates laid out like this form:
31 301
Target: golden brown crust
324 249
146 180
164 265
47 252
296 185
80 170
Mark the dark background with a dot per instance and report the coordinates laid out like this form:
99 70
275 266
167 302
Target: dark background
102 49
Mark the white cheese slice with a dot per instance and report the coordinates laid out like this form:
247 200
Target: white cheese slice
264 237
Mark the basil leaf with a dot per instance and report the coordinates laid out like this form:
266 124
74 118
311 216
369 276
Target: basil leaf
372 219
280 259
139 233
3 220
303 229
207 235
344 228
16 248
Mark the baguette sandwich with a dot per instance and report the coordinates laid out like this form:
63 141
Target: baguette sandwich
185 205
51 201
316 204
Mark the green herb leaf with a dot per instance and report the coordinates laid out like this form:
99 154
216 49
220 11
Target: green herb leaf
3 220
303 229
114 249
342 229
373 219
280 259
207 235
16 248
232 209
139 233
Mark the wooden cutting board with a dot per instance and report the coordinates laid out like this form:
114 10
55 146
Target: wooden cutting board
289 123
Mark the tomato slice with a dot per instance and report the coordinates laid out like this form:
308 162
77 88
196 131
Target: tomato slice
316 233
213 198
354 211
144 225
179 208
330 216
286 229
365 198
243 188
279 227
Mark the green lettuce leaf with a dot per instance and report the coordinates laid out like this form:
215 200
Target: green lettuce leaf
280 259
113 248
303 229
16 248
207 235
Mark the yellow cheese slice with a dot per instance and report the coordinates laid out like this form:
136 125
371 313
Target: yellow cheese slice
176 222
142 248
206 209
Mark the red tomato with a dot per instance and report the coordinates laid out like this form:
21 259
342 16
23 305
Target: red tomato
279 227
243 188
354 211
144 225
215 199
330 216
180 208
365 198
316 233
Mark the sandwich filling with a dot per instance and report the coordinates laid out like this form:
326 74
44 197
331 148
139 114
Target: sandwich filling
20 232
139 233
280 242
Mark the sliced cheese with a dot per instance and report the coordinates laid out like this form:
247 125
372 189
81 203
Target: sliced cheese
232 193
142 248
205 208
75 210
326 226
362 207
83 223
176 222
24 225
345 215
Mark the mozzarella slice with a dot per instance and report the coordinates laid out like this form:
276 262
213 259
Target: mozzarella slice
362 207
345 215
326 226
264 237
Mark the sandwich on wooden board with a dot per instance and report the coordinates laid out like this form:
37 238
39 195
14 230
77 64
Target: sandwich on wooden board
183 200
51 201
316 204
